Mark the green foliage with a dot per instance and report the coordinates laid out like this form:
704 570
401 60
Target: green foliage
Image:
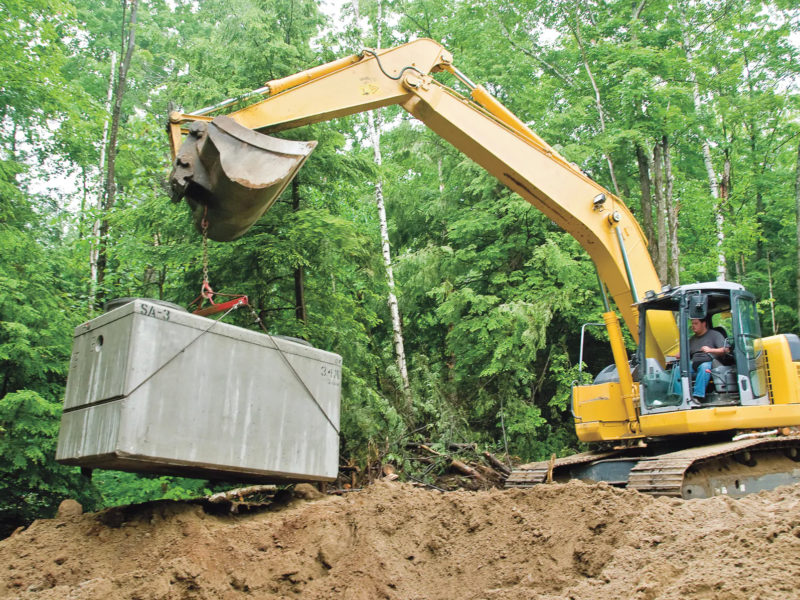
115 488
32 484
368 421
36 304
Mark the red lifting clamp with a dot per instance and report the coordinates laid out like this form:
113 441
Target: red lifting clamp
215 308
206 293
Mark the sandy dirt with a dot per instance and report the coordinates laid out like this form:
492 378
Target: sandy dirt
565 541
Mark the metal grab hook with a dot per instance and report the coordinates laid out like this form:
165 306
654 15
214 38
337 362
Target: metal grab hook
206 291
236 302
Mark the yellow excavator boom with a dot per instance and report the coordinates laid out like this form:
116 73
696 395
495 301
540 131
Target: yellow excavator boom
483 129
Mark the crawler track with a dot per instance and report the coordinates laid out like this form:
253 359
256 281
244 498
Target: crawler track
733 468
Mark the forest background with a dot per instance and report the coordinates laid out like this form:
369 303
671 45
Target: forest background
688 110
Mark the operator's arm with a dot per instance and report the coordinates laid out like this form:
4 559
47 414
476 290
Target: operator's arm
709 346
716 352
717 346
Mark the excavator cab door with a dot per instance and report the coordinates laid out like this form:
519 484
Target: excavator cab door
659 389
750 367
741 379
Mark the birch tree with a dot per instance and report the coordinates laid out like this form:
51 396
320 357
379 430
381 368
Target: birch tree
374 123
713 183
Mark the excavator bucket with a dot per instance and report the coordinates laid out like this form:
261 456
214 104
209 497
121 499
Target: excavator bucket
232 174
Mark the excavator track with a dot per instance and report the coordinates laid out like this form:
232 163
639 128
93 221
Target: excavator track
734 468
730 468
535 473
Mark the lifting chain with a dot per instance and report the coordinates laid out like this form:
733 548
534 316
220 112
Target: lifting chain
204 226
207 293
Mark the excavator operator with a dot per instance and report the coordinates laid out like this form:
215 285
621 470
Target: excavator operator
704 346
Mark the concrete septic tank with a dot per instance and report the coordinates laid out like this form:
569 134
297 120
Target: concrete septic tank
158 390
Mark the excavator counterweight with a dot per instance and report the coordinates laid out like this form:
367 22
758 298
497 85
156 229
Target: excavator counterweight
231 175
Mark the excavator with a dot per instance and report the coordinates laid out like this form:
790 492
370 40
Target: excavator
643 426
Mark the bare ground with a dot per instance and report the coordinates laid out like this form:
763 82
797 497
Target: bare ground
561 541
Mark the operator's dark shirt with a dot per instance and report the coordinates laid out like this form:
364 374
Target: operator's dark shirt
711 338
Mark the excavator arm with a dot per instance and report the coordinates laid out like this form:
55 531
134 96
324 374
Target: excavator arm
479 126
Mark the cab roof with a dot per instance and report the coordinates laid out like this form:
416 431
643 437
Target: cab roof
718 293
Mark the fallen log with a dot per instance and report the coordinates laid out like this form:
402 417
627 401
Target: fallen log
459 447
240 493
456 464
466 470
496 464
429 449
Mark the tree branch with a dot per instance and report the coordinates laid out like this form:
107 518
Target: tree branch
598 103
638 12
565 78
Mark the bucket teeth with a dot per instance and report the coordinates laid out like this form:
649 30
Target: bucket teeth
234 172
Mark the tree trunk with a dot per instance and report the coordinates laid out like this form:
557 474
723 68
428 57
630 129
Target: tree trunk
672 218
771 297
94 240
647 201
752 128
797 209
128 42
661 212
719 218
84 202
397 328
299 296
373 125
760 211
713 185
724 194
597 101
299 285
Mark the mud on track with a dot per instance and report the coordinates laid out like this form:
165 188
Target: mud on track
576 541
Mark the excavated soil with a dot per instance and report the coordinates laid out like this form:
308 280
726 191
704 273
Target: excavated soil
565 541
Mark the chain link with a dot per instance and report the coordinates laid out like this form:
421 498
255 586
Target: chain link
204 225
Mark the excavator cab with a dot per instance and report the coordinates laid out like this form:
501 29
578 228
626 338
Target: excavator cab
736 378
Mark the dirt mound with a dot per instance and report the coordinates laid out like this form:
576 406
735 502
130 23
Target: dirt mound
395 541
